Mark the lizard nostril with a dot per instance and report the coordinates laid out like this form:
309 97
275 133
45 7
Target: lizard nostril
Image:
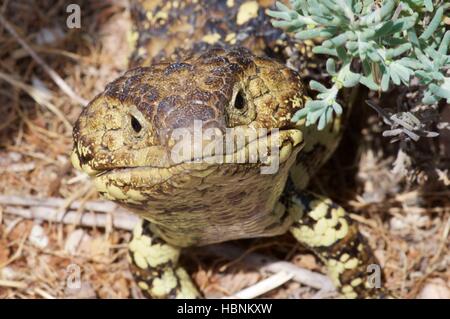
137 127
239 102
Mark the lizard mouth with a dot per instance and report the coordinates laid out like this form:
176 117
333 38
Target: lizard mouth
258 151
135 185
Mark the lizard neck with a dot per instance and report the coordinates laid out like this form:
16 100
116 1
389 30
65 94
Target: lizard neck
168 30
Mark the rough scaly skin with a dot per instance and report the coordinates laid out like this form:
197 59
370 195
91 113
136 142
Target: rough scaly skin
195 60
326 229
163 192
154 265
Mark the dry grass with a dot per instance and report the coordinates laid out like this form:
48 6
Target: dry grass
407 223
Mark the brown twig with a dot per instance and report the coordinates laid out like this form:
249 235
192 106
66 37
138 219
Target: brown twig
263 286
98 206
48 209
53 75
120 220
271 265
40 98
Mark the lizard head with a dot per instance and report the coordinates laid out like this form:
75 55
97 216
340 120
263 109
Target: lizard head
129 136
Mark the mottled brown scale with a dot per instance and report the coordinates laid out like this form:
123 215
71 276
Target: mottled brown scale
221 63
170 96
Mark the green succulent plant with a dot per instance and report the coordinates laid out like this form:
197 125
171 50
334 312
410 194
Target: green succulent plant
392 41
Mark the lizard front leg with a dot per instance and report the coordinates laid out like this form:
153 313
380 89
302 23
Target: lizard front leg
154 265
328 231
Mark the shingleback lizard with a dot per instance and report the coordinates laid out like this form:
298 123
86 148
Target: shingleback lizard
221 64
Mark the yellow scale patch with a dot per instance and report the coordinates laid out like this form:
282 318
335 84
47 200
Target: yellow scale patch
247 11
188 290
147 255
231 38
211 38
337 267
162 286
324 232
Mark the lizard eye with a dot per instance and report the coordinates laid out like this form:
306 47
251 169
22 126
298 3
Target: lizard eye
137 127
239 101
